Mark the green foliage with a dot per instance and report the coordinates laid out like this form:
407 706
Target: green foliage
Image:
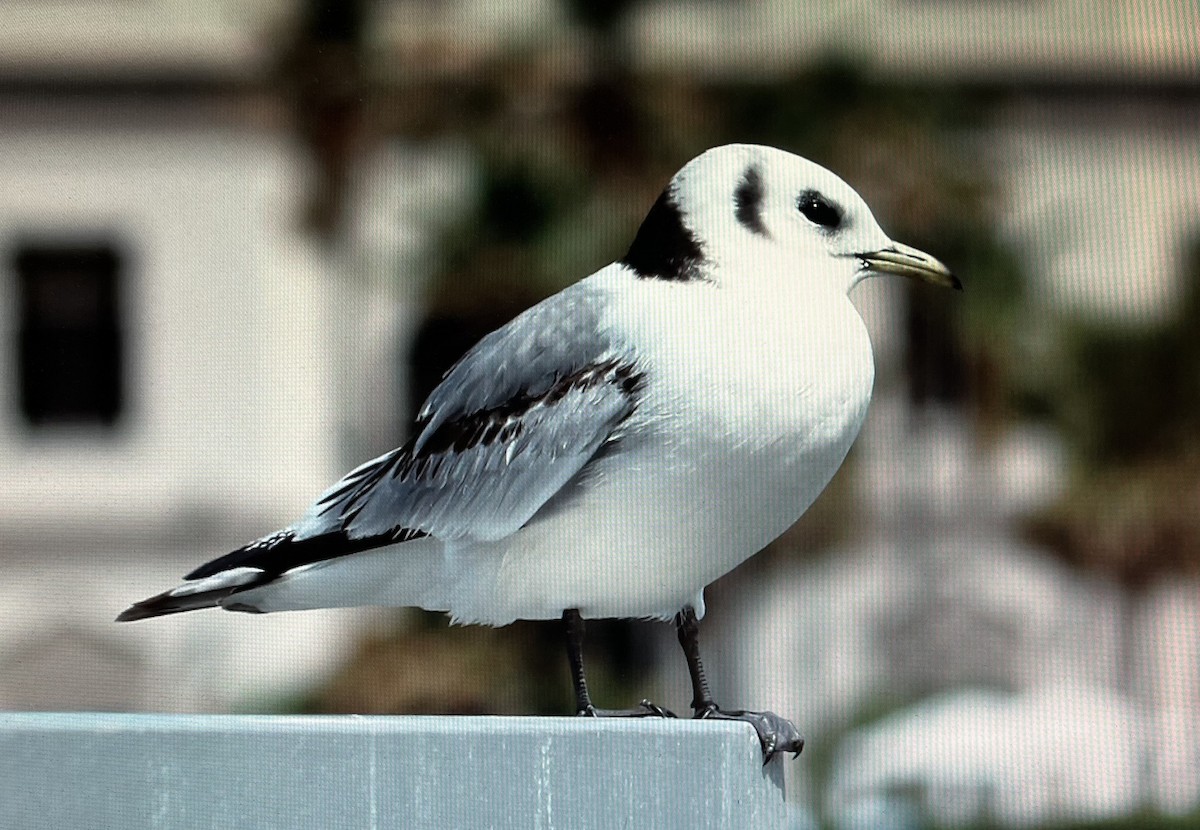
1127 402
495 253
1139 821
813 111
1134 396
599 15
1142 821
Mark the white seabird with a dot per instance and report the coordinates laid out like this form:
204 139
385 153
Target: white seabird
622 444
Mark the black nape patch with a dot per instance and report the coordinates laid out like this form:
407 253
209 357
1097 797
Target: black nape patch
664 248
748 199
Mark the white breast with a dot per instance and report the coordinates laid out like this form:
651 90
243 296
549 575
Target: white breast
746 416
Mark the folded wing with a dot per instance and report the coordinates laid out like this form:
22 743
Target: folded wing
511 423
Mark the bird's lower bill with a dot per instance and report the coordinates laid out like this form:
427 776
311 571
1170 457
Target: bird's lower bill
909 262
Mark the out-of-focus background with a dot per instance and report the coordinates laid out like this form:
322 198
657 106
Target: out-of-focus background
239 242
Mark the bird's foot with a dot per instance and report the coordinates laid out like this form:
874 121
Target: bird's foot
776 734
645 709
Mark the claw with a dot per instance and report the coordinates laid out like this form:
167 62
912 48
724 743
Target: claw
655 709
775 734
645 709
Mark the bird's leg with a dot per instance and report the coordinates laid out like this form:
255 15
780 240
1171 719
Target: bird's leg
573 625
776 734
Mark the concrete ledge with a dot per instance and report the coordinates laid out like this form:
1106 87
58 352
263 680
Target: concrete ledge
184 771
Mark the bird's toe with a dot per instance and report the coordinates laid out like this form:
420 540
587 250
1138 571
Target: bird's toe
775 734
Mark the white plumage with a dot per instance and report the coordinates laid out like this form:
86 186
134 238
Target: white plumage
625 442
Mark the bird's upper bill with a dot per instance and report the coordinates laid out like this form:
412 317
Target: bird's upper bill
909 262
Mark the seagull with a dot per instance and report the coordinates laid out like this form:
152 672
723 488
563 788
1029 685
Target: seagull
623 443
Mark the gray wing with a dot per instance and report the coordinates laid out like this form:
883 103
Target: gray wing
556 338
510 424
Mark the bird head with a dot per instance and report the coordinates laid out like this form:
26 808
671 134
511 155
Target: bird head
769 209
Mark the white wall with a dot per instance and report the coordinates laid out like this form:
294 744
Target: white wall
260 367
1103 202
228 404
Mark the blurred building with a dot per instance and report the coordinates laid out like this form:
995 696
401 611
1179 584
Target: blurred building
227 361
185 362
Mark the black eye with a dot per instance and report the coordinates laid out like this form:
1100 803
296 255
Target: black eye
819 210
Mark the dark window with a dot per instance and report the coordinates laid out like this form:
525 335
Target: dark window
69 334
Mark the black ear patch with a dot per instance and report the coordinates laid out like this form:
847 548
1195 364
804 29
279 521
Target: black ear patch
748 199
664 248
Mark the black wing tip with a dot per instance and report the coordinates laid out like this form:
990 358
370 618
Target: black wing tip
168 602
131 614
157 606
134 613
281 552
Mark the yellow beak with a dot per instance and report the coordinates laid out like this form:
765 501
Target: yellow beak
909 262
